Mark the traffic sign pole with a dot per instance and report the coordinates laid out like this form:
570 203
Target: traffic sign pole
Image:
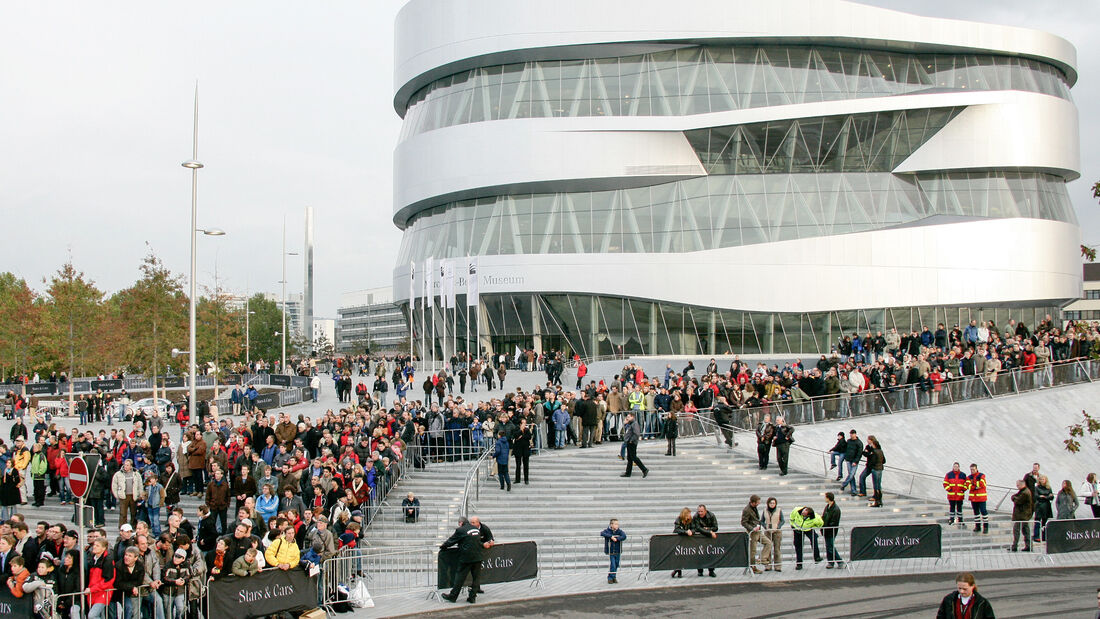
82 484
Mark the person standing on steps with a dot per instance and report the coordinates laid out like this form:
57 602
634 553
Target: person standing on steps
671 431
955 485
1023 506
830 518
784 436
976 486
836 455
501 453
852 455
765 434
1091 492
521 450
750 520
467 538
803 522
632 432
613 538
706 524
588 412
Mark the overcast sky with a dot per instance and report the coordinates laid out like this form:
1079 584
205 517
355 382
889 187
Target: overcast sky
295 110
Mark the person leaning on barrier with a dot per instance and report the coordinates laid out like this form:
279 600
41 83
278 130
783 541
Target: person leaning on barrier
965 602
613 538
803 523
706 524
683 526
467 538
750 520
772 520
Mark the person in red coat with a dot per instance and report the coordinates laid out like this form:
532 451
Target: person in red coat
101 580
955 485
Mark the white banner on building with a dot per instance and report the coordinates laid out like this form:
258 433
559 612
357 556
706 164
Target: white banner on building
412 283
426 275
449 283
472 297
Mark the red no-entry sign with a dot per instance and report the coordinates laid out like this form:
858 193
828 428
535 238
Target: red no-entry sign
78 477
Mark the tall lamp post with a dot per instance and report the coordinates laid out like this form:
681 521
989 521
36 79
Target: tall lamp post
194 165
282 367
247 336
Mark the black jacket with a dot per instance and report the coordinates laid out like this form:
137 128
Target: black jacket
853 451
467 538
705 524
830 516
982 608
126 581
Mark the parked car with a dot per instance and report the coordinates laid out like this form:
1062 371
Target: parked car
147 404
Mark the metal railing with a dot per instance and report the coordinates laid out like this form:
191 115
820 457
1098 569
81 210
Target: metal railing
472 485
385 572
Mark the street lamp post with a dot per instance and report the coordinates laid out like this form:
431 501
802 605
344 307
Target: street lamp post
194 165
247 336
282 367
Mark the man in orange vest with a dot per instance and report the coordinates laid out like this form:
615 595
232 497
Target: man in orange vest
975 483
955 485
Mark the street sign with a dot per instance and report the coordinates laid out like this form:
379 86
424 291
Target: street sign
78 477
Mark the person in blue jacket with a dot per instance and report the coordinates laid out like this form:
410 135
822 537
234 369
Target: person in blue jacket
500 452
613 538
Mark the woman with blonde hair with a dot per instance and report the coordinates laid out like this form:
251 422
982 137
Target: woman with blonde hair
683 526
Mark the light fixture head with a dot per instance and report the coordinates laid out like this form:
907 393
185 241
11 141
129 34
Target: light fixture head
191 164
214 232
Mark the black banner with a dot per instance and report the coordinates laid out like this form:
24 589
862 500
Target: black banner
696 552
280 380
1073 536
12 607
267 401
299 381
113 384
267 593
501 563
173 382
40 388
231 379
903 541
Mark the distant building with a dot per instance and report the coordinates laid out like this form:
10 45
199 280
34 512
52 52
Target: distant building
293 307
1088 306
324 328
369 319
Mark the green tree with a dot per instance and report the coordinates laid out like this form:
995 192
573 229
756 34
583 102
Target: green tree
19 324
264 323
153 315
71 322
220 334
1087 251
1089 426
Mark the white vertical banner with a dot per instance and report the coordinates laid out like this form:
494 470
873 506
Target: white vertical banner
471 281
449 283
412 284
426 275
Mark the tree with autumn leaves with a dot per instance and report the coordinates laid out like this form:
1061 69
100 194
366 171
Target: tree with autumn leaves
72 326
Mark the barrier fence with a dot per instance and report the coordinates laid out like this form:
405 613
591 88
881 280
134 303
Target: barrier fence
908 547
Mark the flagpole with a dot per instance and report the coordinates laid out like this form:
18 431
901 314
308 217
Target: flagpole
467 267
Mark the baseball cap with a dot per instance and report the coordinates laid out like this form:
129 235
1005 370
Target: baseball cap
126 527
180 552
247 522
356 513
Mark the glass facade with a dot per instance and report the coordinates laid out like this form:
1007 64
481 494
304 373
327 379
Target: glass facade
703 79
724 211
874 142
604 325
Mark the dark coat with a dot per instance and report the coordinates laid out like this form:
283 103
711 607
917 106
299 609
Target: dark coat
982 608
467 538
705 524
1022 505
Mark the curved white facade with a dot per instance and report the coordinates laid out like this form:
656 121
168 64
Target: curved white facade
744 177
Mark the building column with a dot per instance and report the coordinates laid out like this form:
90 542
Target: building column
712 327
770 340
594 326
652 329
536 325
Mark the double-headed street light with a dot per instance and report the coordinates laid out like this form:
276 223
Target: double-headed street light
194 165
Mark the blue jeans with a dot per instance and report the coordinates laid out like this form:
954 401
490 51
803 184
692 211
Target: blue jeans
836 456
851 479
315 392
154 520
614 570
559 437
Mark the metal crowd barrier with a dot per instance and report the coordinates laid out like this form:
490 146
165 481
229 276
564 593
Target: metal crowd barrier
385 572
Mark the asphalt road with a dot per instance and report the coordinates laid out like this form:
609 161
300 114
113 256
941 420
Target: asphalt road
1063 593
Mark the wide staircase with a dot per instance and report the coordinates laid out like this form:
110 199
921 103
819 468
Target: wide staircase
573 493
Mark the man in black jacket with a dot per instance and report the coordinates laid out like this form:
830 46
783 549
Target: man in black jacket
830 516
467 538
723 414
783 439
765 434
586 410
852 455
705 523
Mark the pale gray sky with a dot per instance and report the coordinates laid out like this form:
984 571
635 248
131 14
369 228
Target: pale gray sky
295 109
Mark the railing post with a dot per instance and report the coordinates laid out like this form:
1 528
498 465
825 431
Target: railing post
1088 375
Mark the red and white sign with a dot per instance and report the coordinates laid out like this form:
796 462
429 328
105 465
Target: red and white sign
78 477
